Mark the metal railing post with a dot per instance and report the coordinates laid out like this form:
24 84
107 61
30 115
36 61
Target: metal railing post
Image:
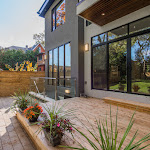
75 86
56 89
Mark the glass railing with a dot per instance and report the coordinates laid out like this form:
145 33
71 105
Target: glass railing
46 89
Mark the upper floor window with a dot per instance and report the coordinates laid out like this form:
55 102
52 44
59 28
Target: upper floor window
40 57
39 49
88 23
58 15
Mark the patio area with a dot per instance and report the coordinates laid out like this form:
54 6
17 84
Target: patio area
13 136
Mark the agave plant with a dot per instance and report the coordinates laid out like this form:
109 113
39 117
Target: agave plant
108 140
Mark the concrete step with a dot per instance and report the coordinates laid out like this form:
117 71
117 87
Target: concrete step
142 107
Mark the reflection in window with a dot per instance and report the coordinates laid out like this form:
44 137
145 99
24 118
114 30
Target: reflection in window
58 15
55 63
117 65
50 66
116 33
140 55
53 21
61 65
139 25
67 63
99 39
60 60
99 67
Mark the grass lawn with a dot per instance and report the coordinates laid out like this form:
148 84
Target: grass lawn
142 84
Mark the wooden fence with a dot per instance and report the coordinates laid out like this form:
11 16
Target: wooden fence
11 82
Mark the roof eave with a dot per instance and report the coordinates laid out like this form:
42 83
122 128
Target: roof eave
45 7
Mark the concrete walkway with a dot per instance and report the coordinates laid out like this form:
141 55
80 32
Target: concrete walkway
12 136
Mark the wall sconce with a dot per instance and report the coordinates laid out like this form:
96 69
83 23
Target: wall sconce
86 47
67 91
45 57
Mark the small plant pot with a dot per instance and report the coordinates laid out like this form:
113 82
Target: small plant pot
33 119
55 141
136 89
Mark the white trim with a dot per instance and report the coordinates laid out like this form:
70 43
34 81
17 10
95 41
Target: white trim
38 45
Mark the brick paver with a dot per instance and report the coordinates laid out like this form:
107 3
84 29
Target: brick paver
12 135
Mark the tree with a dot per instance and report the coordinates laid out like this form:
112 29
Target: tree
39 38
12 57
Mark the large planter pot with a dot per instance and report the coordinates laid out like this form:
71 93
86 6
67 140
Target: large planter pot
53 140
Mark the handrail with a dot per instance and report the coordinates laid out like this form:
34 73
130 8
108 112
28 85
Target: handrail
51 78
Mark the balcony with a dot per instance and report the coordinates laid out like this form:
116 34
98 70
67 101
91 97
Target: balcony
102 12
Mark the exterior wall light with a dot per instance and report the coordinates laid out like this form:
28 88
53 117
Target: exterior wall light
86 47
67 91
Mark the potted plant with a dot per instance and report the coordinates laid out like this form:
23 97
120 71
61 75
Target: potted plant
148 89
121 86
21 101
55 129
55 123
32 112
135 87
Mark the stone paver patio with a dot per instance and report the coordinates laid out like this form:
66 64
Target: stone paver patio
12 135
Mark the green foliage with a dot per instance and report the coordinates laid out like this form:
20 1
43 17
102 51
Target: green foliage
11 57
54 113
106 139
21 101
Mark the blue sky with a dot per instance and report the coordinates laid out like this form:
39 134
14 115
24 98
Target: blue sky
19 21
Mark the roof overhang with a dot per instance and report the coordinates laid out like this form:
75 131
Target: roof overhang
45 7
102 12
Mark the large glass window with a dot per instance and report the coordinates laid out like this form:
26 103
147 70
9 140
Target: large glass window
140 58
58 15
55 63
99 39
139 25
117 65
99 67
119 32
60 64
121 61
67 63
50 66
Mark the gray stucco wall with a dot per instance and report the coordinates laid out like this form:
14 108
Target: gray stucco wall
72 31
93 30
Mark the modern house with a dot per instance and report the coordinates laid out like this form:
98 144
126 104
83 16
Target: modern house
105 45
40 56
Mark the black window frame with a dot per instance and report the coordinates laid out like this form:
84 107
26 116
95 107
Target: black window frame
128 60
54 10
58 62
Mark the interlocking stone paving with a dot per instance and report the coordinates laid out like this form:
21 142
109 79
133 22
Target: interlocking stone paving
12 135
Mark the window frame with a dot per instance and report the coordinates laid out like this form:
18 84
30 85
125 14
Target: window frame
54 10
58 62
128 59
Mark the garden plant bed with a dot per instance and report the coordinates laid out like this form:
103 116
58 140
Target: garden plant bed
39 140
